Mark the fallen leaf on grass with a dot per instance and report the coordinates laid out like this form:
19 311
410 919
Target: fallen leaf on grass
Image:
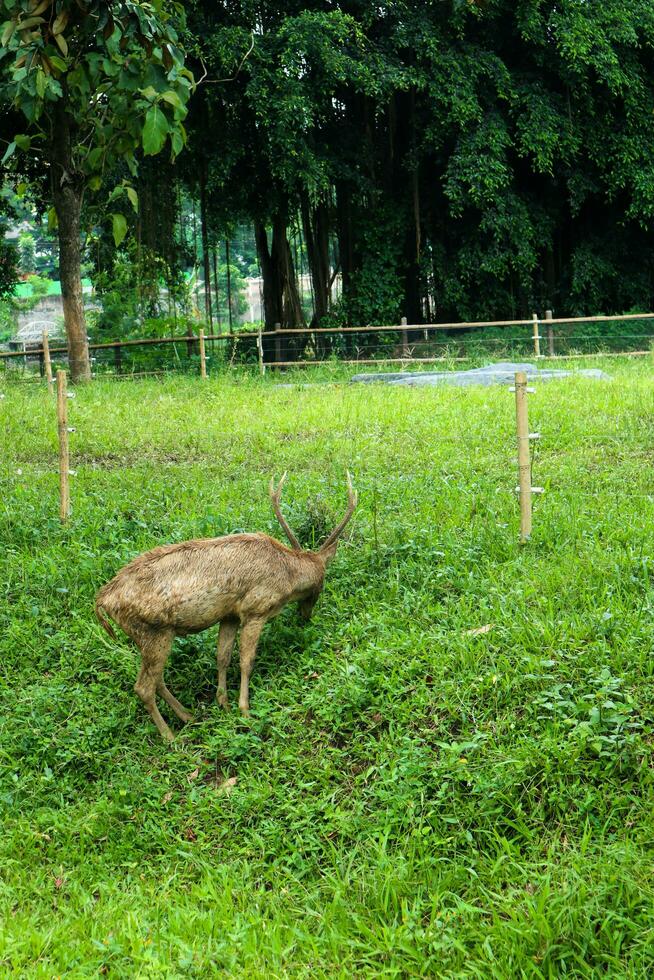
313 676
190 834
228 785
167 798
479 630
193 775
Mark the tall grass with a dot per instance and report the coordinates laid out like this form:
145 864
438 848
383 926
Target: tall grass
413 797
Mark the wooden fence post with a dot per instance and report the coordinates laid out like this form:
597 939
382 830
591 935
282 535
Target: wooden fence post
536 336
550 333
405 337
118 358
524 460
47 362
262 366
64 458
278 344
203 359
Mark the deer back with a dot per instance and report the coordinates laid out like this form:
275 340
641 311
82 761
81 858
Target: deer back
190 586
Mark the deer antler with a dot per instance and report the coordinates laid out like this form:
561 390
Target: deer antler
275 496
352 499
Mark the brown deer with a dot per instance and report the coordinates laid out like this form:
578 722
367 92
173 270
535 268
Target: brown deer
240 580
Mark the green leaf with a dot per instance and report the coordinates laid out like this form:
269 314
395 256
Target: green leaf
8 29
94 159
30 22
41 83
62 44
11 149
95 183
21 189
119 228
23 142
172 98
60 22
53 220
155 131
58 62
177 142
133 197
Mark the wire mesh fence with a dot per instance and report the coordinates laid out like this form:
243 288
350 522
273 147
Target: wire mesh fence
400 344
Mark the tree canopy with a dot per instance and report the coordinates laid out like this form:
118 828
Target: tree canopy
98 84
446 160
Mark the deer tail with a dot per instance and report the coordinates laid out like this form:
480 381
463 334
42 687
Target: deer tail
99 612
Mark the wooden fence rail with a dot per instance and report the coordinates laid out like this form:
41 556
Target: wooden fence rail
405 330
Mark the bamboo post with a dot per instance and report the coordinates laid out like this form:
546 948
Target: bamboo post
524 461
47 362
405 337
550 333
536 336
203 359
262 366
64 458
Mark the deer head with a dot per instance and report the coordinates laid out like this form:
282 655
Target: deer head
326 551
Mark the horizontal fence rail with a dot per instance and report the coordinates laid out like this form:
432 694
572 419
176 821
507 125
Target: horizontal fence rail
415 343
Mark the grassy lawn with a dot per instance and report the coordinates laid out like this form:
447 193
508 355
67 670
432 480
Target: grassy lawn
411 798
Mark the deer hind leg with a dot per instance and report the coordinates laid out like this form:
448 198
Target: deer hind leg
155 646
182 713
226 637
250 633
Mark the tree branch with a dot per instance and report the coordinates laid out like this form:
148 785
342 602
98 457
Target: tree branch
220 81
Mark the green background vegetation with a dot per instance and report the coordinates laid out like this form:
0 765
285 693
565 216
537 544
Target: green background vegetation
452 161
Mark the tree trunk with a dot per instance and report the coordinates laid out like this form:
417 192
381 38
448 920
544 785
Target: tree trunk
347 254
216 287
272 299
281 299
292 312
205 246
67 190
413 308
315 222
230 313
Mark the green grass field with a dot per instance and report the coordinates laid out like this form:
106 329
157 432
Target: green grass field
410 798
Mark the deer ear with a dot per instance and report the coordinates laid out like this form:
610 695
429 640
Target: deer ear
329 552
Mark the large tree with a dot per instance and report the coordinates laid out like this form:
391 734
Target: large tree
468 159
97 83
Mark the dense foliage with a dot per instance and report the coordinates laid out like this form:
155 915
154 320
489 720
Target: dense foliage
97 85
438 161
466 160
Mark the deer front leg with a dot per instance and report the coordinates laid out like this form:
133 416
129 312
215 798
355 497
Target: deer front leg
250 633
226 637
